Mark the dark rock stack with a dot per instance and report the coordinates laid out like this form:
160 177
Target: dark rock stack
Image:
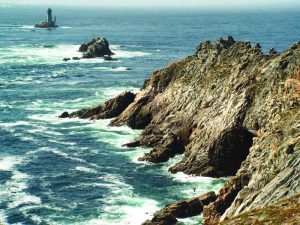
98 47
231 110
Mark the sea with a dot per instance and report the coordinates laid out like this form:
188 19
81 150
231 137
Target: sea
71 171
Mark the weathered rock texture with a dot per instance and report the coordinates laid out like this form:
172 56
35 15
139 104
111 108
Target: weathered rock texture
98 47
286 212
107 110
182 209
231 110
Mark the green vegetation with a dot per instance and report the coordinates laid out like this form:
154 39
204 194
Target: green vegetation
286 211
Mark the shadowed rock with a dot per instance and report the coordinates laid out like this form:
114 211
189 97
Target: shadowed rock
106 110
182 209
98 47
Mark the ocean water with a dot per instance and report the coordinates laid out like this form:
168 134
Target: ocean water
71 171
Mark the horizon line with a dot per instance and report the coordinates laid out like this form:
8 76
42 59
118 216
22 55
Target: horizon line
191 7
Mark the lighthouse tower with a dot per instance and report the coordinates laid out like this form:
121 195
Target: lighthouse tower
50 21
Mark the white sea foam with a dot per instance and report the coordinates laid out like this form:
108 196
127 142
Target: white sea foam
53 118
122 205
18 123
14 191
191 220
64 27
116 136
85 169
24 198
40 54
63 142
119 53
27 27
5 105
56 152
116 69
7 163
3 217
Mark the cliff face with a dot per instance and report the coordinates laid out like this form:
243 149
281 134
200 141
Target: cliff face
231 110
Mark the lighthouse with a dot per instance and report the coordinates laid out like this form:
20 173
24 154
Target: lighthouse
49 23
49 16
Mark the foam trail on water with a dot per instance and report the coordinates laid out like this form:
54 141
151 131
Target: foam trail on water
14 191
127 54
3 218
85 169
8 162
114 69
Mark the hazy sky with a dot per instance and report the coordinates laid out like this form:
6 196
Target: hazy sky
219 4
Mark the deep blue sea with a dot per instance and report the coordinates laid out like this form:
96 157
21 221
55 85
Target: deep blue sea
71 171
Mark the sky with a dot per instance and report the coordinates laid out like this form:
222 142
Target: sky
205 4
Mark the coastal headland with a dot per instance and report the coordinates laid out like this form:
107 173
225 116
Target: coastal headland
232 111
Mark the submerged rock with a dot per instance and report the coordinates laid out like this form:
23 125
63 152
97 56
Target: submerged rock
66 59
109 58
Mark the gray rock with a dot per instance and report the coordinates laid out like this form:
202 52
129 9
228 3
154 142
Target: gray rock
98 47
107 110
182 209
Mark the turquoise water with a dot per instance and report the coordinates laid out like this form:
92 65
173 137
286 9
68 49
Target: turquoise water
71 171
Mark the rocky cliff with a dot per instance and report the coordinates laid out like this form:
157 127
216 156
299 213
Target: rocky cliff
232 111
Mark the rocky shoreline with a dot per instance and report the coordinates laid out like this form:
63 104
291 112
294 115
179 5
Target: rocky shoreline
232 111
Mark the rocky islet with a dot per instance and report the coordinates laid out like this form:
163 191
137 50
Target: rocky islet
96 48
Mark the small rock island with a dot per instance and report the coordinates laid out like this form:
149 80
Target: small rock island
50 23
96 48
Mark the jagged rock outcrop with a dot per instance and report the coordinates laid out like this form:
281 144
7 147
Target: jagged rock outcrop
273 164
107 110
231 110
98 47
183 209
197 106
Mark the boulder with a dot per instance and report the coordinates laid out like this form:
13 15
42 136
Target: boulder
64 115
98 47
182 209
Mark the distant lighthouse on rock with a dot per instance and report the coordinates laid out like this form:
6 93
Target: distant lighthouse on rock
50 23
